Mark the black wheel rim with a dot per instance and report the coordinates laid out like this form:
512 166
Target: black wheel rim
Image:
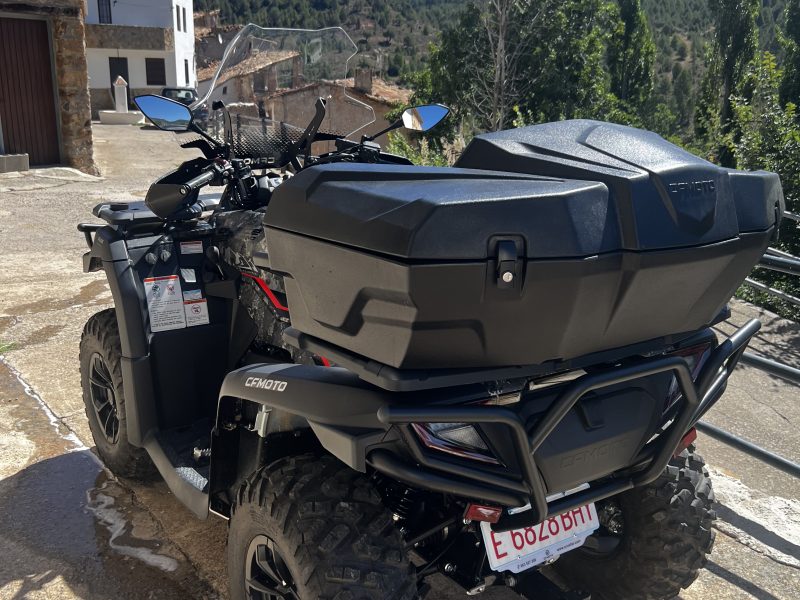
266 576
104 400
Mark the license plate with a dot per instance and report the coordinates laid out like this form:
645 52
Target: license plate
521 549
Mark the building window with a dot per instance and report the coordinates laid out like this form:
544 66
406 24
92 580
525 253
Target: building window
184 18
178 17
186 70
156 71
104 11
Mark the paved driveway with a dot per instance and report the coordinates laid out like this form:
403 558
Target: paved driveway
68 530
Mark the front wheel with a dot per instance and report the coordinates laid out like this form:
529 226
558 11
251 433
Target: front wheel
652 541
104 399
309 527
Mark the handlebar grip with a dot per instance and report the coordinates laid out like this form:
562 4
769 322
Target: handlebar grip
198 182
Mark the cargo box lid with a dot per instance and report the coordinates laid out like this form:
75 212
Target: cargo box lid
444 214
665 196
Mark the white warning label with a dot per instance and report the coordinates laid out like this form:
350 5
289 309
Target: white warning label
196 312
189 275
192 247
164 303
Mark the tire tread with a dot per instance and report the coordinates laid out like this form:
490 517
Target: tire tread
101 335
667 541
334 524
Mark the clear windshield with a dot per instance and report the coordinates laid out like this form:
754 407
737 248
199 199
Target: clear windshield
270 80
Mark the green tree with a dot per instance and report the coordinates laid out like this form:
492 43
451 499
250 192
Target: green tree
543 57
734 48
479 65
631 56
790 40
419 151
682 91
770 140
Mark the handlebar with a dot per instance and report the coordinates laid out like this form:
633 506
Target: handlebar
197 182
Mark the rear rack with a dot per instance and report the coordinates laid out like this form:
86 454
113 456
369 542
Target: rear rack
411 380
439 475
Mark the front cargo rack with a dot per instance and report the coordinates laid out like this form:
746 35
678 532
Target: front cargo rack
442 476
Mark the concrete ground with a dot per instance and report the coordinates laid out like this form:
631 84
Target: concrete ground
70 530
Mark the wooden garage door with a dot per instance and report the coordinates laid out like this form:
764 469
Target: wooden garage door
27 104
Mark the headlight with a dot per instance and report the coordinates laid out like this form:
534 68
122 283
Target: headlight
458 439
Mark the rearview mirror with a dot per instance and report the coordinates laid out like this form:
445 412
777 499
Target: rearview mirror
423 118
164 113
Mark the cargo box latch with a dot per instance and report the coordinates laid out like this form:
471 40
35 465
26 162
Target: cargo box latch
508 264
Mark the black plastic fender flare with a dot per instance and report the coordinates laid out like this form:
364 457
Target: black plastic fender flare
341 409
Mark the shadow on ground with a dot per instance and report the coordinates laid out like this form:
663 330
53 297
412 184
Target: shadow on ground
65 523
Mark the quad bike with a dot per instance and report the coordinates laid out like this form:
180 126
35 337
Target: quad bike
378 371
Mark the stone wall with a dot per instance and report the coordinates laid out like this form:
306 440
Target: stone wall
103 99
129 37
72 83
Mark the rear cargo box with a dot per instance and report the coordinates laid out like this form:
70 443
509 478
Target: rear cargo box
604 237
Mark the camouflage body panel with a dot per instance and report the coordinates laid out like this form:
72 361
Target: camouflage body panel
241 234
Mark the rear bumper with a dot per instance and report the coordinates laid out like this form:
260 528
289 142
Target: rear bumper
527 486
536 439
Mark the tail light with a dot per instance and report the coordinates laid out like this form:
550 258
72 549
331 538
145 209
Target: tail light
696 358
685 442
463 439
481 512
458 439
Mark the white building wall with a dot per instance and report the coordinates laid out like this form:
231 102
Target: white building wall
145 13
184 45
99 76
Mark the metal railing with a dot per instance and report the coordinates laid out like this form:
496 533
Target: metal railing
791 216
782 262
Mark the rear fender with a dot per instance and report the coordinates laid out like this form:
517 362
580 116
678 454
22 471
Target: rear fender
340 409
298 408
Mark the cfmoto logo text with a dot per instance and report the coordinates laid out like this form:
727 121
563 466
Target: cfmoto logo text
588 456
265 384
692 188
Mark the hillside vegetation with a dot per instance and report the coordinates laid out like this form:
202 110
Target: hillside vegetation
720 77
393 35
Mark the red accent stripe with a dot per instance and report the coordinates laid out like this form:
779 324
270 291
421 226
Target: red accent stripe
270 294
325 361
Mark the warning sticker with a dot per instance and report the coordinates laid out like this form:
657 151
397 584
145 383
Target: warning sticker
164 303
196 312
192 295
192 247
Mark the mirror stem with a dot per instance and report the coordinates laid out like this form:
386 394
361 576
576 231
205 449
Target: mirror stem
199 131
397 124
228 125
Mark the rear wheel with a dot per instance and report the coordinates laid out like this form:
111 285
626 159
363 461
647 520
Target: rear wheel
653 540
104 400
309 527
